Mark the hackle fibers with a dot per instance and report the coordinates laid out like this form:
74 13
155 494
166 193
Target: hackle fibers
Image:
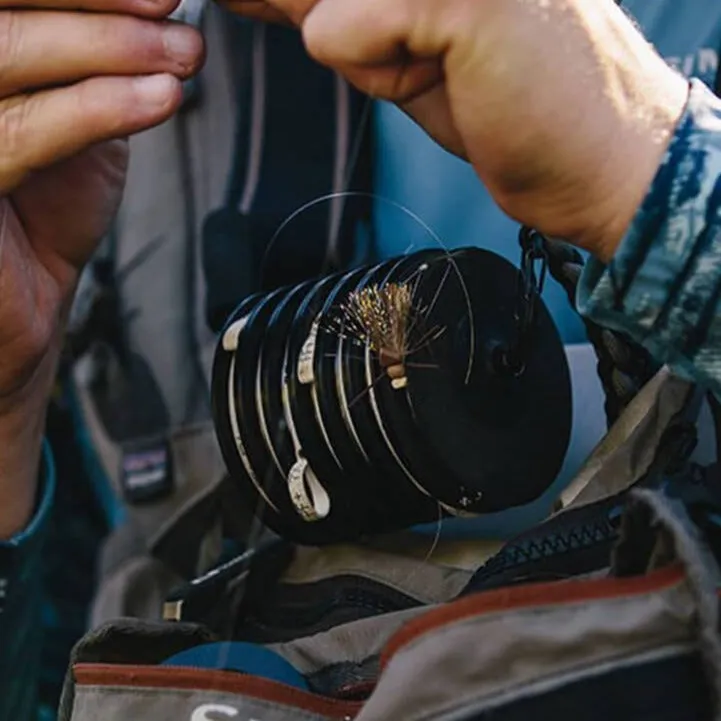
380 317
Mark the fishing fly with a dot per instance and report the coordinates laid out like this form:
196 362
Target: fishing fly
384 318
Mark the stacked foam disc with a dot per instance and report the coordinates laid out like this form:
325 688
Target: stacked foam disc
325 444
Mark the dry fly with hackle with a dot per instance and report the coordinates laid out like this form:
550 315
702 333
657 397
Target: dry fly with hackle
383 318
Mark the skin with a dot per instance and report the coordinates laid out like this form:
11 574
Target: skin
75 79
560 105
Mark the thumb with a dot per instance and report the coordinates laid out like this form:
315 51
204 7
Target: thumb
373 32
379 47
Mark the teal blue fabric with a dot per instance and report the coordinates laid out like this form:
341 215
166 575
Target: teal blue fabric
21 580
70 559
446 193
241 657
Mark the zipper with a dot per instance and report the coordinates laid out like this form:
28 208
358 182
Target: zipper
598 526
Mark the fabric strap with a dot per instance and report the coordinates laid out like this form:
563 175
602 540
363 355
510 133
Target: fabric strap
281 163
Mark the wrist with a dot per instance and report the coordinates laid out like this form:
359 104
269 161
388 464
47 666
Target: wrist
22 425
648 118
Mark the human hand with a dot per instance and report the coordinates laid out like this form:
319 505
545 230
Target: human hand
563 108
75 78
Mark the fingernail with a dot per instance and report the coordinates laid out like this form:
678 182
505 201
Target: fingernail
155 90
182 44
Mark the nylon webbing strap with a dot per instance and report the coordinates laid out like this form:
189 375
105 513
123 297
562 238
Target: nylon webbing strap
624 367
303 133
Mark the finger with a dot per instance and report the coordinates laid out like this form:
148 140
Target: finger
40 129
371 32
420 91
143 8
257 10
39 49
432 111
401 81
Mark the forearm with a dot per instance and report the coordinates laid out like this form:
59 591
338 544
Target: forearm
663 285
22 424
27 483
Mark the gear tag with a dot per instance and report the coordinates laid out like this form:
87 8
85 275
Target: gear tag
307 355
147 472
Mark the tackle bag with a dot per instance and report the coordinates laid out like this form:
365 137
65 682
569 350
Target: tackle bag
607 609
638 641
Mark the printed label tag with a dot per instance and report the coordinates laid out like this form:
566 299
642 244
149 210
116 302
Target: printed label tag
307 355
147 473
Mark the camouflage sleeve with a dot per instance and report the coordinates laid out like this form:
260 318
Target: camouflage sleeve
663 286
20 607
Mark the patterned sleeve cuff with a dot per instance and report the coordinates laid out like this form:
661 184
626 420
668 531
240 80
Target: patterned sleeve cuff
22 551
663 286
21 584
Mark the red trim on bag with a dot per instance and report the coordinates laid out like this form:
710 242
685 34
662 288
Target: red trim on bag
97 674
356 691
516 597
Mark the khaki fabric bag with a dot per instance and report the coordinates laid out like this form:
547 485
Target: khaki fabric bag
647 630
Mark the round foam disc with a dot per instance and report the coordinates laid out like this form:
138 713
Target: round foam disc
501 436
